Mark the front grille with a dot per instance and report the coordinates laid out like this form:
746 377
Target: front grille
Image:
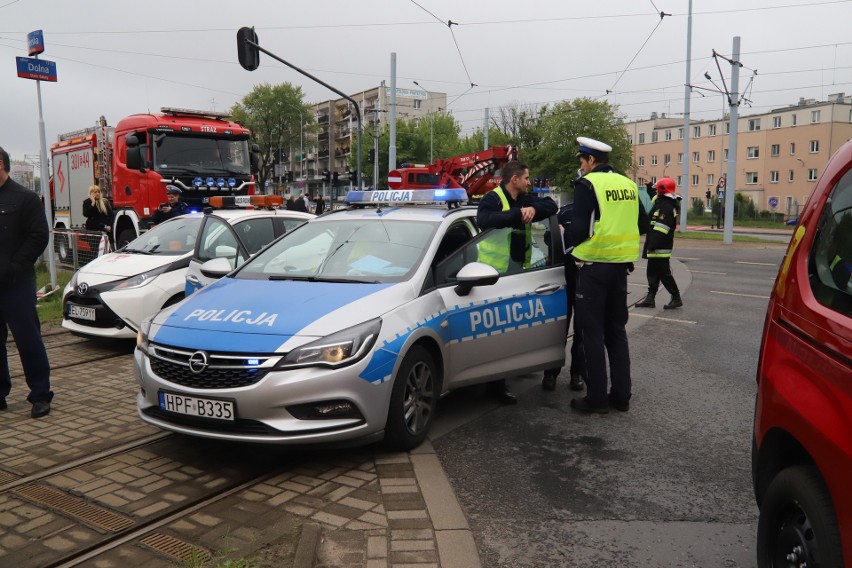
221 372
104 317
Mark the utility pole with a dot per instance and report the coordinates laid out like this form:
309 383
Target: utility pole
687 91
392 118
485 130
731 178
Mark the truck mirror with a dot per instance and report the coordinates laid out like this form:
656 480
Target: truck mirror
134 153
248 54
254 157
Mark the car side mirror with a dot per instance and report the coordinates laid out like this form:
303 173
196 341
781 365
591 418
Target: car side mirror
475 274
216 267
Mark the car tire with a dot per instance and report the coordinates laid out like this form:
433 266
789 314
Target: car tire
125 237
797 521
414 399
62 247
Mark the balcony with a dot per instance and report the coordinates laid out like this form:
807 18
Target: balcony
323 119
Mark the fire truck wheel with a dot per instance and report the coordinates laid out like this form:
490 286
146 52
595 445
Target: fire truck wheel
62 248
125 237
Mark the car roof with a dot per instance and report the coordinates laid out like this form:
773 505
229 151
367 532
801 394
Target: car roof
432 213
234 215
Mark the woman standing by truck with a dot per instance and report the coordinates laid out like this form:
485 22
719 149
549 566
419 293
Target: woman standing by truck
98 212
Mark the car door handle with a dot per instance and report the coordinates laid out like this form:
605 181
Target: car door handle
547 288
193 279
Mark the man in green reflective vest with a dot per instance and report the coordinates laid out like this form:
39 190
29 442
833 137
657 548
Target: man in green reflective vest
510 206
608 219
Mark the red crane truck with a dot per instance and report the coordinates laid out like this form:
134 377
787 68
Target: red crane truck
202 152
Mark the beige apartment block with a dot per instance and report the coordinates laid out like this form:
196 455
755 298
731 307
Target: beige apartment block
780 154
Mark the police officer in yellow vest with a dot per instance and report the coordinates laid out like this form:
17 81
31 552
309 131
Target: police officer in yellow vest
608 219
509 205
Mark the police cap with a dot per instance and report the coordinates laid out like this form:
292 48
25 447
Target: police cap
592 147
173 189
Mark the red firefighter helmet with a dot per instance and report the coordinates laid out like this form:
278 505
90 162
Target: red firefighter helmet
666 186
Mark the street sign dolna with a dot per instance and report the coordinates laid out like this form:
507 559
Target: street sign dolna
38 69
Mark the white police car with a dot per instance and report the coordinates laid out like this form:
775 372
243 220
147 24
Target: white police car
350 327
111 295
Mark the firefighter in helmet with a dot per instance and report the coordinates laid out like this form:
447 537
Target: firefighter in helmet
659 243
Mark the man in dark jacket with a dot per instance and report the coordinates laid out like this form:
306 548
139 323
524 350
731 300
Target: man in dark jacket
509 205
24 234
658 246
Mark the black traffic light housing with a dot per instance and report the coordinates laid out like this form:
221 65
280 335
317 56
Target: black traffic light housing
335 177
372 155
248 55
326 174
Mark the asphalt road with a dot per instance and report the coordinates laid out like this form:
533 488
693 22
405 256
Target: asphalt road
666 484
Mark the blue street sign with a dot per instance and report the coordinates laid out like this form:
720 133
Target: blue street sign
38 69
35 42
773 202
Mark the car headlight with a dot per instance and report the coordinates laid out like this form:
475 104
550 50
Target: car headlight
336 350
140 279
142 334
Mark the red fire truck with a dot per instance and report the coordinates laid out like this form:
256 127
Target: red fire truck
201 152
477 173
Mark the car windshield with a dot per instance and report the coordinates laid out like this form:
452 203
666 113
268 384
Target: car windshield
196 155
374 250
174 237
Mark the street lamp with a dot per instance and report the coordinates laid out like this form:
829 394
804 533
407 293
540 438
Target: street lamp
431 123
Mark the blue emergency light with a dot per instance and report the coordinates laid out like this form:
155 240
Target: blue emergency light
406 196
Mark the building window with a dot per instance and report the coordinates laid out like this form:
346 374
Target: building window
679 181
751 178
654 135
727 128
696 132
790 175
775 150
711 155
640 182
680 157
680 133
753 124
725 154
654 179
711 178
642 138
776 122
792 148
815 116
814 146
641 160
667 159
654 160
794 121
789 201
711 129
417 103
773 176
753 152
695 179
696 157
669 132
812 174
630 139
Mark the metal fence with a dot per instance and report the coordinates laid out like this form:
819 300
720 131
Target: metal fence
75 248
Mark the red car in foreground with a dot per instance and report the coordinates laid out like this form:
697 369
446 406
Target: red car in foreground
802 452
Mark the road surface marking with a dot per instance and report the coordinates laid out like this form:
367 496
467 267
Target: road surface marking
685 258
756 263
635 313
742 295
707 272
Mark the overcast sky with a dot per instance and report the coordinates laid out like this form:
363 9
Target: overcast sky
116 58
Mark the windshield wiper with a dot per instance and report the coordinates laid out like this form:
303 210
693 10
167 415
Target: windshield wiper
133 251
322 279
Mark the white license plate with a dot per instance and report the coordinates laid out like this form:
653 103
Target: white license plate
81 312
192 406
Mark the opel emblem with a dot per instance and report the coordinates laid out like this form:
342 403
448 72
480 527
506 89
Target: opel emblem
82 288
198 362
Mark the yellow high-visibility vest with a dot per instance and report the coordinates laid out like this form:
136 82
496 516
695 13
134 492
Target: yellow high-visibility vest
497 250
616 234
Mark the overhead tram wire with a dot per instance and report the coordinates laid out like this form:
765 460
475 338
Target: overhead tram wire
450 24
662 17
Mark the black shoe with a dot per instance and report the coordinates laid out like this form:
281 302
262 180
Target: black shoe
620 405
577 383
675 303
501 392
582 405
646 302
3 405
548 383
41 408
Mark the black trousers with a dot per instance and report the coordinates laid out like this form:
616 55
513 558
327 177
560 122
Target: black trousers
18 312
578 364
660 270
601 316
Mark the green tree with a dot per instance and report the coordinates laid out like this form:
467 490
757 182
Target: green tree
559 127
277 116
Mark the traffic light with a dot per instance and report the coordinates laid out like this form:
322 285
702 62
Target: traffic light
335 177
372 155
288 175
248 55
326 175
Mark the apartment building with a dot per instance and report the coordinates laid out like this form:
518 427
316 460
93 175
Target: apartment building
780 154
337 136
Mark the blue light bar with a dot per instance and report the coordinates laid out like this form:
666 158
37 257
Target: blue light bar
400 196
